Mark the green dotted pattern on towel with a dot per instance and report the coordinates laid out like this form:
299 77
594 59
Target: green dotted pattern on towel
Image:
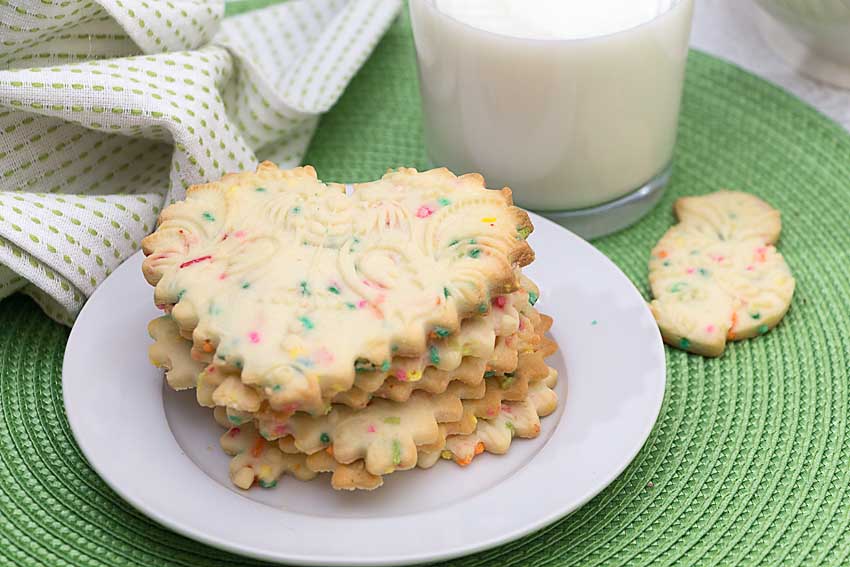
748 463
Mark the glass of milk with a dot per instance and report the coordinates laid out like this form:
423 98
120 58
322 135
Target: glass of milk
571 103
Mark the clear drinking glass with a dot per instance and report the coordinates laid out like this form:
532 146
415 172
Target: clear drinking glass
582 130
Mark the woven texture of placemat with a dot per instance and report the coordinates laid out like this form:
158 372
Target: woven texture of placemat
748 463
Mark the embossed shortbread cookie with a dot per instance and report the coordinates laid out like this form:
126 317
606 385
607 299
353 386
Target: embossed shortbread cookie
170 352
716 276
401 435
254 458
470 437
514 419
490 340
291 283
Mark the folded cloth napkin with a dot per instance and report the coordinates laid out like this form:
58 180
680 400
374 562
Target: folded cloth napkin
110 109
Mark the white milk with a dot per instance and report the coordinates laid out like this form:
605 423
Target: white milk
572 103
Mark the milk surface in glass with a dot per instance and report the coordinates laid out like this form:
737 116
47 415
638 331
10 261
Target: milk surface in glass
571 103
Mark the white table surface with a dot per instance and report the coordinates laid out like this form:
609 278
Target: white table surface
727 29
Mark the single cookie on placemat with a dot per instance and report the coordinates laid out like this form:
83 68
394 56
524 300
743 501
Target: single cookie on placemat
716 276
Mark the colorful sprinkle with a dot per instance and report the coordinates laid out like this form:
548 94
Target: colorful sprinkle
246 285
446 292
762 329
500 301
305 288
488 219
750 268
677 287
325 438
424 212
731 334
710 329
523 231
454 243
761 254
482 308
258 447
662 254
254 337
511 427
507 381
234 432
444 202
323 356
222 276
267 484
371 429
665 263
396 452
350 305
208 216
306 322
385 366
195 261
475 253
532 297
434 355
441 332
333 289
277 388
704 273
690 270
296 210
684 343
594 322
489 373
180 294
260 189
755 315
240 234
235 419
392 420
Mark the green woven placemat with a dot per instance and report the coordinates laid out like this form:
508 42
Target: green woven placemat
748 464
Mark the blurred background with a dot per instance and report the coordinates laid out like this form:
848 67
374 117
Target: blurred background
732 29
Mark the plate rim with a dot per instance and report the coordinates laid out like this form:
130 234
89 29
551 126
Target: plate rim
233 546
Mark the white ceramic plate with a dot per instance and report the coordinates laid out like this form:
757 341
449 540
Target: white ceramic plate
159 450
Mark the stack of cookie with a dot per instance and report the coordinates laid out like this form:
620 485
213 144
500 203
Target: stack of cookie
357 330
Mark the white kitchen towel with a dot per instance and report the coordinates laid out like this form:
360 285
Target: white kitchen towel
110 109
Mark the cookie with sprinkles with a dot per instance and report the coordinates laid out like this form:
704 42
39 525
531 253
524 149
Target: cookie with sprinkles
400 435
484 344
716 276
292 283
255 459
519 418
169 351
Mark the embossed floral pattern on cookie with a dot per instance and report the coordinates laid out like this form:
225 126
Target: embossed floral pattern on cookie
716 275
295 285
